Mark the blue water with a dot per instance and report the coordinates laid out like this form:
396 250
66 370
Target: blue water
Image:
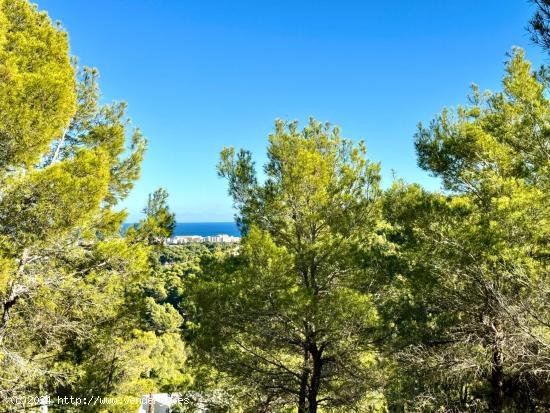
203 229
206 228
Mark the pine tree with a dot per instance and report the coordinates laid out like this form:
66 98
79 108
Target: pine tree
66 273
472 268
285 319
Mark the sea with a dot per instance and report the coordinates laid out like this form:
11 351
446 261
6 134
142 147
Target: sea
203 229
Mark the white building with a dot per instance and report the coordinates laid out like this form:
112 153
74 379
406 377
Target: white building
186 239
222 238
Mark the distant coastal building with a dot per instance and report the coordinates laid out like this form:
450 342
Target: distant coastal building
222 238
187 239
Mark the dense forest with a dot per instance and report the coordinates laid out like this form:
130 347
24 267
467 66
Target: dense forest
342 296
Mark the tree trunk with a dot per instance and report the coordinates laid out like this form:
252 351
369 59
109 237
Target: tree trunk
315 379
496 403
58 147
13 296
303 384
12 300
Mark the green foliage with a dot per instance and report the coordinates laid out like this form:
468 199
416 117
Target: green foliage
471 272
37 84
341 297
539 25
69 281
159 222
104 127
284 322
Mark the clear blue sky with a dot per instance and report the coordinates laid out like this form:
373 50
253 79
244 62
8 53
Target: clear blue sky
201 75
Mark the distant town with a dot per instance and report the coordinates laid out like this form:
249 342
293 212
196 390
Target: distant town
187 239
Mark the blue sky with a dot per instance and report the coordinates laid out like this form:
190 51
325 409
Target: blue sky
201 75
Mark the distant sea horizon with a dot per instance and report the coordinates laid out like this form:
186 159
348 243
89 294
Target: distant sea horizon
203 229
